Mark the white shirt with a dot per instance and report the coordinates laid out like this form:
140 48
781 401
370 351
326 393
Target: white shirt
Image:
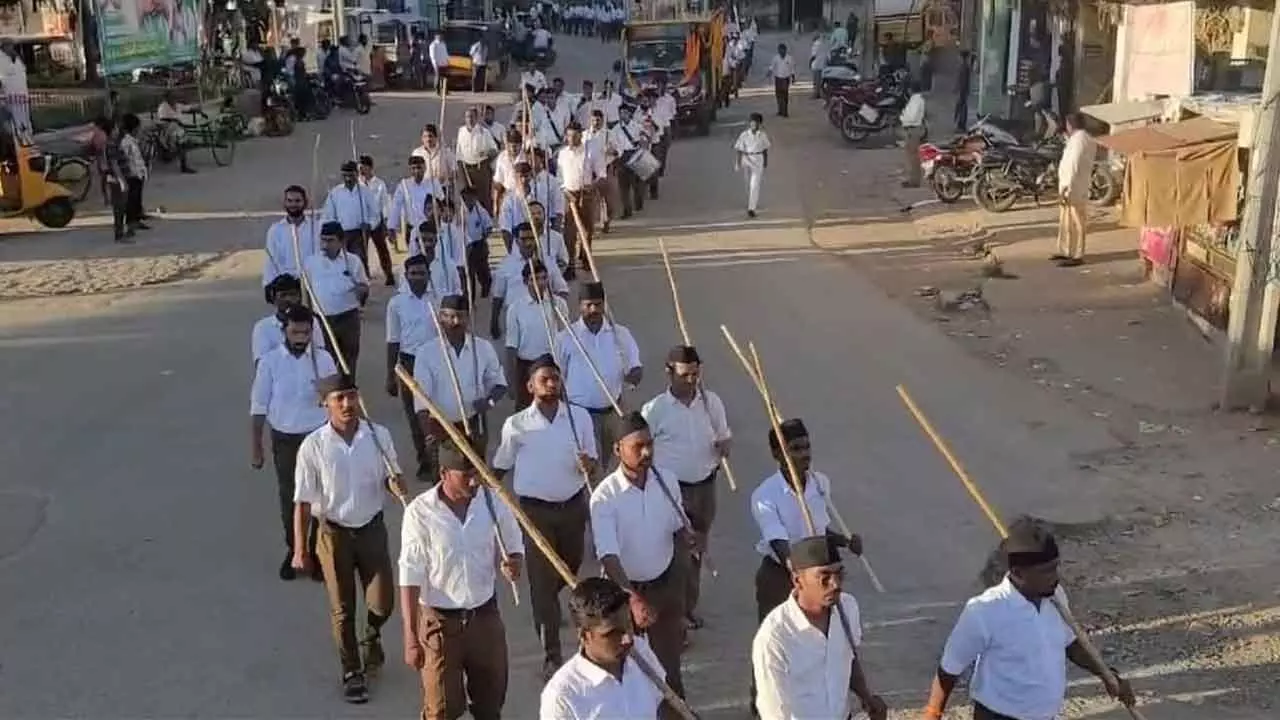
782 68
497 131
1076 166
333 281
409 320
526 322
479 54
352 207
913 114
664 110
344 484
684 435
479 373
612 103
279 246
285 389
541 39
637 526
476 224
513 210
534 78
268 334
382 199
818 53
542 455
614 352
439 54
440 162
475 145
408 204
550 125
802 673
582 690
579 167
582 108
452 560
504 169
753 146
508 279
1019 652
777 513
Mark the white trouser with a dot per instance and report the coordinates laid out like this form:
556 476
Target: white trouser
753 168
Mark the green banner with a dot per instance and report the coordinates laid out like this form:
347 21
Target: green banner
142 33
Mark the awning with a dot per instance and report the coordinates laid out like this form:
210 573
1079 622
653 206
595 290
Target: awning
1123 113
1169 136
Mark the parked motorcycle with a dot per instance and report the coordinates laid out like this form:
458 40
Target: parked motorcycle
839 73
321 101
951 168
1009 174
277 109
352 90
872 117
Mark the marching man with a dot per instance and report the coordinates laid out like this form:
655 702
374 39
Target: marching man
354 208
548 450
268 333
752 148
479 374
279 246
476 149
603 679
691 435
508 277
614 353
639 530
409 203
341 288
1015 640
286 397
410 331
803 674
342 480
527 321
454 634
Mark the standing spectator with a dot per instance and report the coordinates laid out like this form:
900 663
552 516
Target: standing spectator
439 55
1074 172
818 62
479 65
783 71
110 162
135 172
913 132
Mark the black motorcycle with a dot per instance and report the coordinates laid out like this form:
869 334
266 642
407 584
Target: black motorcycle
351 90
321 102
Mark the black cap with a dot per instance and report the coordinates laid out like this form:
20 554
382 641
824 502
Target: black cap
285 282
632 422
331 229
683 354
592 291
792 429
299 314
451 458
455 302
349 166
342 382
812 552
366 160
1029 543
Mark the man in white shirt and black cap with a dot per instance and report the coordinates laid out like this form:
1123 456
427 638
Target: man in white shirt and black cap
612 350
643 541
410 330
286 396
1016 641
604 678
805 657
341 288
454 634
268 333
345 469
691 435
355 208
549 451
529 326
481 380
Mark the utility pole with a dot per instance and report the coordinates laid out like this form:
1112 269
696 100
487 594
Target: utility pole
1255 297
870 40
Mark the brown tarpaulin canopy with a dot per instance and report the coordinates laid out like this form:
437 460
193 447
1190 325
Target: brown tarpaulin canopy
1179 174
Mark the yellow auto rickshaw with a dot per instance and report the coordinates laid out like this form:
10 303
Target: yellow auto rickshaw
25 189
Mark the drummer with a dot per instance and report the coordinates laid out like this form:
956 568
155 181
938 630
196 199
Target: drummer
630 130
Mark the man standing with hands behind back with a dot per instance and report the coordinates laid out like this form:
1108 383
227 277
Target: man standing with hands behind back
782 68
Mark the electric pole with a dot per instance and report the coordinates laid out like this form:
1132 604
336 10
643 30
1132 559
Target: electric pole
1255 297
870 40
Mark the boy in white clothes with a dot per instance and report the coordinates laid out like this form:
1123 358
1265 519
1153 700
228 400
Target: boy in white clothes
752 148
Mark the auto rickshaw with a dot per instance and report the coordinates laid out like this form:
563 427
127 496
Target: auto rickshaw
25 190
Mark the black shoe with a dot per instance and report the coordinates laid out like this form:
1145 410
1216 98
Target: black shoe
354 688
751 213
1070 262
188 171
286 568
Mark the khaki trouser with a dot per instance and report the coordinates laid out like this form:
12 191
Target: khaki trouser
1072 218
665 594
564 525
347 555
699 502
465 668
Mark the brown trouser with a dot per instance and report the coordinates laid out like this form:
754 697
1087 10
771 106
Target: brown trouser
284 455
345 554
665 594
415 429
480 178
699 500
345 337
981 712
465 668
564 524
578 208
604 425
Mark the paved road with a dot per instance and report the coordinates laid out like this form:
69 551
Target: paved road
138 551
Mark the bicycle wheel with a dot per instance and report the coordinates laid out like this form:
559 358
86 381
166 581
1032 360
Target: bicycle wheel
223 147
73 174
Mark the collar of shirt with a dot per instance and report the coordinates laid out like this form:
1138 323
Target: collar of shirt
542 454
581 689
637 524
805 670
344 483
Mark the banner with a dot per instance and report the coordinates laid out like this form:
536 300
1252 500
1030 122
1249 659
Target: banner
142 33
1159 50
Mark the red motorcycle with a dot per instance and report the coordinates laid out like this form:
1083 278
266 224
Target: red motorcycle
848 99
951 169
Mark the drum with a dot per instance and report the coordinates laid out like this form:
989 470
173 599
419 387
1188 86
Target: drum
643 164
